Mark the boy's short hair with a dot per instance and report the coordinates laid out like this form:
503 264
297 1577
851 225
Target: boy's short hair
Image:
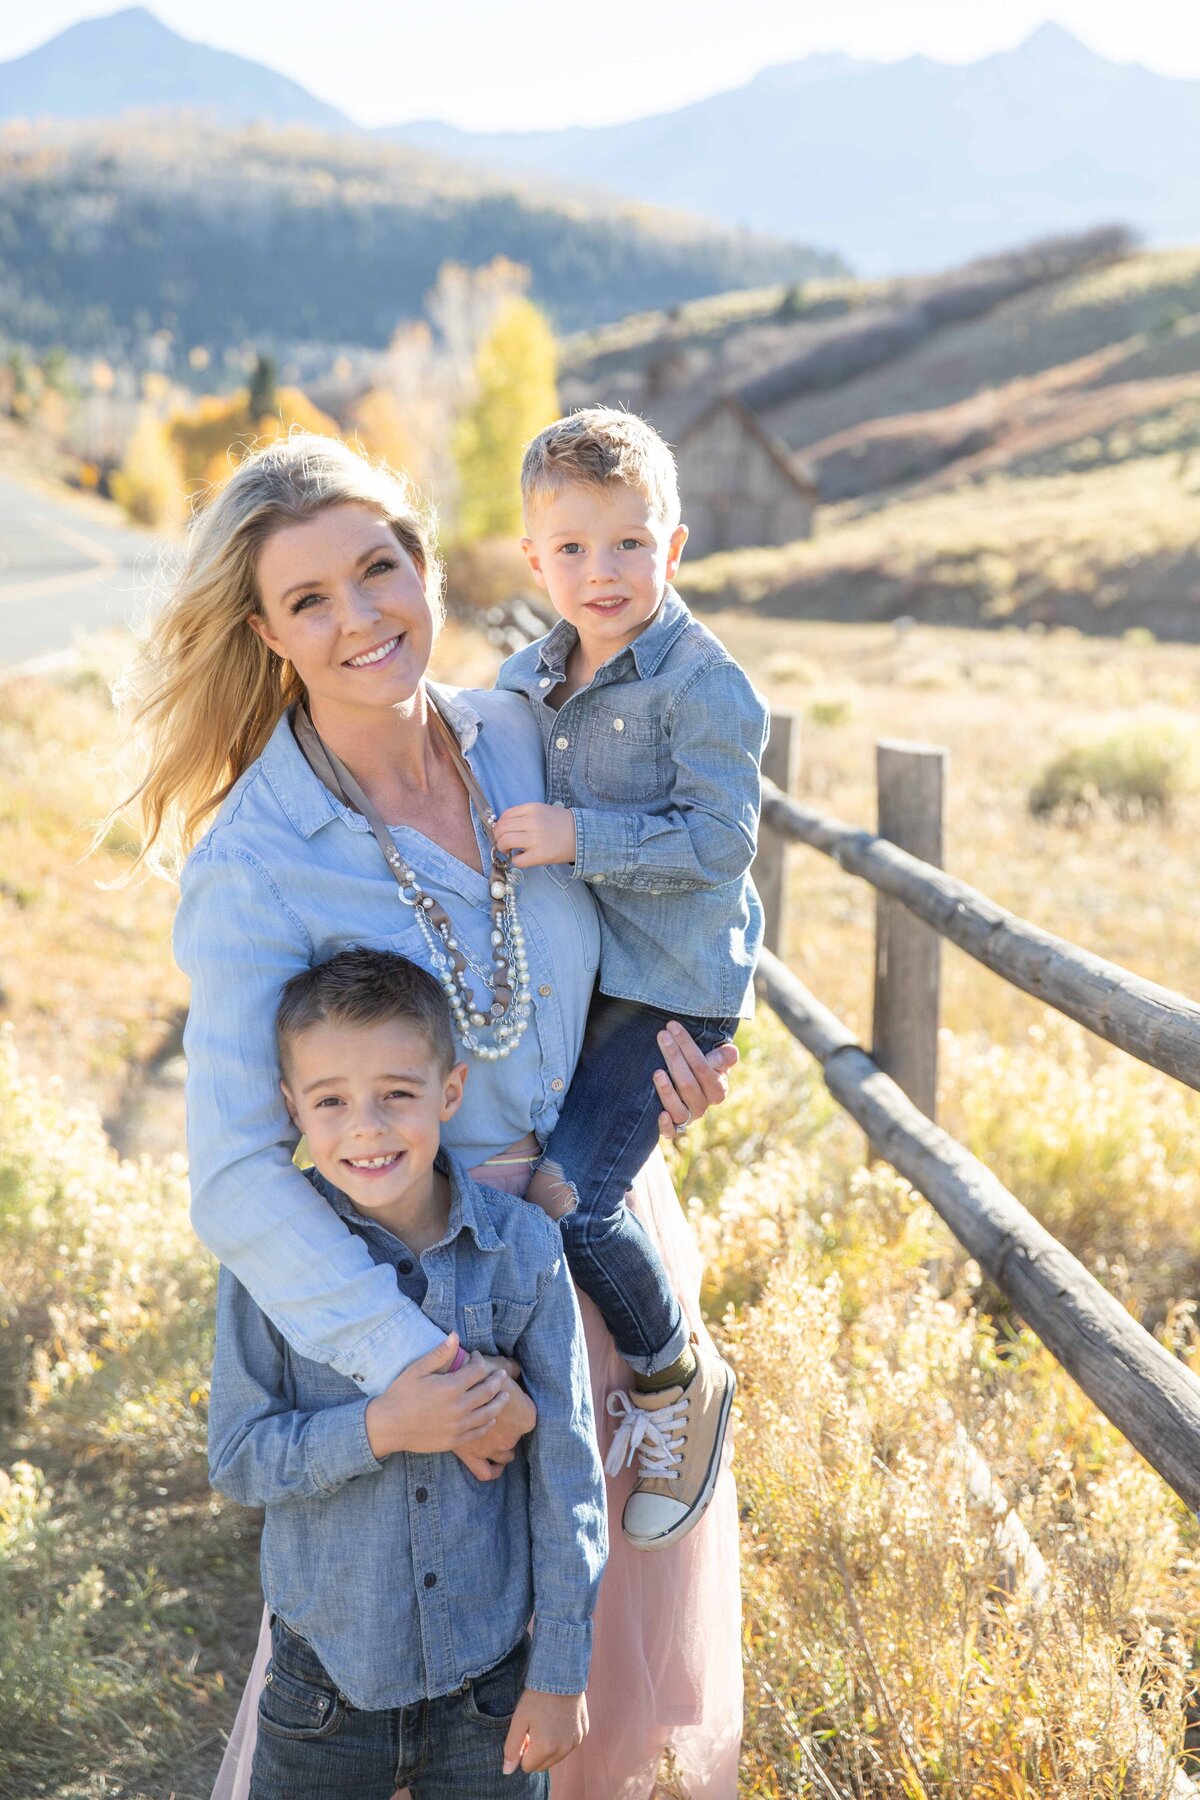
598 445
361 986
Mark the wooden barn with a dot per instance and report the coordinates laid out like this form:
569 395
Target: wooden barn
738 484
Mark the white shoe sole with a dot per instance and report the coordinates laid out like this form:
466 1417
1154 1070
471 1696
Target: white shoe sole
691 1519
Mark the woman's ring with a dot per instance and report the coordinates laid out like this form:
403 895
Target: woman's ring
680 1129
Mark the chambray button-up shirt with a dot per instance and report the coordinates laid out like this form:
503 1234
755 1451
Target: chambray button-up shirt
658 758
409 1576
285 878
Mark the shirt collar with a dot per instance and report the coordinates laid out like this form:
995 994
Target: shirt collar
468 1209
647 649
305 798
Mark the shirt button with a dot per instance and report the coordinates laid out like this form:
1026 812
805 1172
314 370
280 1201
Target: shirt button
545 989
545 681
596 879
431 1581
618 724
421 1495
557 1085
358 1378
405 1268
560 743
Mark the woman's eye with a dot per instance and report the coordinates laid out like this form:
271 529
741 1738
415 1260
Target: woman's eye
385 562
304 602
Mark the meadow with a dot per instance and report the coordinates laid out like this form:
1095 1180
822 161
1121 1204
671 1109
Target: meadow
898 1639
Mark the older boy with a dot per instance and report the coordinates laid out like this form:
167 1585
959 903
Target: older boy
653 739
400 1586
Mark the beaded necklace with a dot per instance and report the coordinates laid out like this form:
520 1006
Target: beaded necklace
505 1009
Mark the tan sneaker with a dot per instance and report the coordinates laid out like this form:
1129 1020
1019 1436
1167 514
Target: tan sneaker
678 1435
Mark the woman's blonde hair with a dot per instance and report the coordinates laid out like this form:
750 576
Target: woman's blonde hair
206 692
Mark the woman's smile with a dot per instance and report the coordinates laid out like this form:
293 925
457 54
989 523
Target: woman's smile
370 659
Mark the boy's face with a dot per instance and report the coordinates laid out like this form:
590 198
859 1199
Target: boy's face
371 1100
604 558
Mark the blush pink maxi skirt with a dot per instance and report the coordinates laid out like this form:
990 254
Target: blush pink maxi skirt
666 1664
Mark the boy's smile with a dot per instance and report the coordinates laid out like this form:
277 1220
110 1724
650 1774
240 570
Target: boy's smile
605 557
371 1100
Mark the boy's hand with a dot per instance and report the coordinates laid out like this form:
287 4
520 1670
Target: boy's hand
536 834
544 1729
427 1410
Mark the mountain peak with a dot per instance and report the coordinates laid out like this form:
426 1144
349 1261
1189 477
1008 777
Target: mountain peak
1052 40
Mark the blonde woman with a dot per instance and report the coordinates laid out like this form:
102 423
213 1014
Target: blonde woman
324 793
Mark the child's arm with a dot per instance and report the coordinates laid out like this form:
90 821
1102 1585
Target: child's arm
262 1448
567 1521
716 733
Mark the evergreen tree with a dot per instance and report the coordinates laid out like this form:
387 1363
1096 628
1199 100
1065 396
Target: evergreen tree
263 401
515 397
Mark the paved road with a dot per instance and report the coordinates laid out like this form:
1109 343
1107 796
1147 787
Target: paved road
64 569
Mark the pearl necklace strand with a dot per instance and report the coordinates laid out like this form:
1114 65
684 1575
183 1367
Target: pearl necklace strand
508 1011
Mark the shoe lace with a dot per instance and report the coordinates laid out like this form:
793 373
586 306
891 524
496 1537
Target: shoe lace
657 1437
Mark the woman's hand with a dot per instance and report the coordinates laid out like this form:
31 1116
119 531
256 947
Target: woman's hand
691 1081
492 1455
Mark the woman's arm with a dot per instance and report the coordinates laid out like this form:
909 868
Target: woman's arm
238 942
691 1081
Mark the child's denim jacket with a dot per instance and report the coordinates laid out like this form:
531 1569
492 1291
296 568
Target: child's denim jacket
409 1576
658 759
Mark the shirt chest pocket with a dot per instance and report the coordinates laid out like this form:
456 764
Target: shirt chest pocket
493 1326
626 756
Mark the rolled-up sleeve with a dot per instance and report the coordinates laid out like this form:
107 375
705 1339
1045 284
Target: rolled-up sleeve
706 837
238 942
568 1523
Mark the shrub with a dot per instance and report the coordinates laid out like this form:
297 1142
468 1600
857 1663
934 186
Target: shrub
1136 766
149 483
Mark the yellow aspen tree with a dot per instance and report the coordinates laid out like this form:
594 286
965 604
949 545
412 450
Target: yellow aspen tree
515 396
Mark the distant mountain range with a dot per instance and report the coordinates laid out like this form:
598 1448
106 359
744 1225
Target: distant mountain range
898 166
130 60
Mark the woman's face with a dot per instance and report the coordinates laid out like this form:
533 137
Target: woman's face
345 604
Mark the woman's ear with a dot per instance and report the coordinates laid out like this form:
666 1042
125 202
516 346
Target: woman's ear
452 1093
261 629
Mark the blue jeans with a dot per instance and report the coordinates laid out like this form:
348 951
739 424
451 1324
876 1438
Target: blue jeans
313 1745
606 1130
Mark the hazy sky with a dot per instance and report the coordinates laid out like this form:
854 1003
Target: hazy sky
527 63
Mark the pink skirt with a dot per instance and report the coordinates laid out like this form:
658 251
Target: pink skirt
666 1664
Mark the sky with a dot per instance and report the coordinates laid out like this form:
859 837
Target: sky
542 64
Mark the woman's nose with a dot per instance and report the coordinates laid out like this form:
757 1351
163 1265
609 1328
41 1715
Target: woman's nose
358 607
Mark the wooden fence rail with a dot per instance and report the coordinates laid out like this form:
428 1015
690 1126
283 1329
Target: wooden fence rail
1153 1023
1150 1396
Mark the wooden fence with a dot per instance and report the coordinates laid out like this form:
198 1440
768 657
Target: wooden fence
1148 1394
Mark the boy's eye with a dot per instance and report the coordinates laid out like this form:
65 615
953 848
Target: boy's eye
329 1100
399 1094
630 544
571 549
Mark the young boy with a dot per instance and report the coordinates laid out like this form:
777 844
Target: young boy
653 739
400 1586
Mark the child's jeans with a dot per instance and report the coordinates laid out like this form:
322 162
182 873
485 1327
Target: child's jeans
606 1130
312 1745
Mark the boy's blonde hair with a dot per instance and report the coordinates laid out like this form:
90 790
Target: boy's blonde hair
206 691
596 446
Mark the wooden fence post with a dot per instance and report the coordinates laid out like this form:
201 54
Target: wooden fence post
908 955
780 764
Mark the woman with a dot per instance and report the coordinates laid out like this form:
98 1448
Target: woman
288 690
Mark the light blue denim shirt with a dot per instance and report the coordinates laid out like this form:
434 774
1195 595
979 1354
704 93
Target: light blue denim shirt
285 878
658 758
409 1576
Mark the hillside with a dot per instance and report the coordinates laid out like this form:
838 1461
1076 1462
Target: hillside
900 166
111 232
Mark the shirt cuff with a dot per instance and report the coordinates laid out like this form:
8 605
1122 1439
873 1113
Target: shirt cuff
374 1363
561 1654
337 1447
604 844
